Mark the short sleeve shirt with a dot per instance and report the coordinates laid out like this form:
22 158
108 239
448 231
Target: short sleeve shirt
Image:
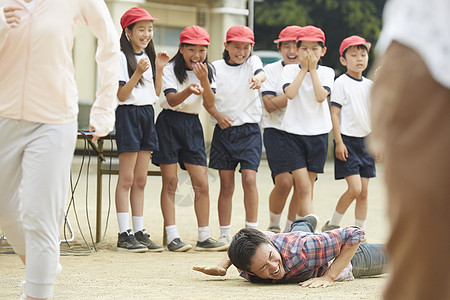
351 95
142 94
234 98
304 114
273 86
193 103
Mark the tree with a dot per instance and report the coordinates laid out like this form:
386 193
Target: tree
337 18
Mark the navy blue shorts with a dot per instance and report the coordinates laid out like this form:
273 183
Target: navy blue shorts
236 145
359 161
135 129
180 139
307 151
275 142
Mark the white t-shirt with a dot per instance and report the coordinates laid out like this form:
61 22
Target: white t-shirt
142 94
234 98
273 86
193 103
352 96
424 27
304 114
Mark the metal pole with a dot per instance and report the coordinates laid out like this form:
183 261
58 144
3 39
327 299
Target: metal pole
251 7
98 225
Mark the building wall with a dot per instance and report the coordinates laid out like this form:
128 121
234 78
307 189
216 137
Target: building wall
216 16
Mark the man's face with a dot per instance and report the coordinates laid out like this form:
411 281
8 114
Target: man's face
267 263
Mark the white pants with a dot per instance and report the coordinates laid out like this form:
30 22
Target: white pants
35 162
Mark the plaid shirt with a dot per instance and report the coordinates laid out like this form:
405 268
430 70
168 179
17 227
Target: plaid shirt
306 255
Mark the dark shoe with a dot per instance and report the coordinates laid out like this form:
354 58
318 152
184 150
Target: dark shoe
328 227
211 244
144 238
312 219
274 229
177 245
127 242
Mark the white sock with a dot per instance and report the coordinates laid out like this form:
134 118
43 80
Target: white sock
225 230
251 225
287 228
360 223
138 223
203 233
336 218
124 221
172 233
274 220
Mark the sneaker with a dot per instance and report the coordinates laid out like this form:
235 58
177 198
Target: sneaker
274 229
144 238
225 239
127 242
328 227
177 245
211 244
311 219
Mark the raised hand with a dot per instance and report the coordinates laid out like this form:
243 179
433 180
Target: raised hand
255 83
195 88
162 58
143 65
200 70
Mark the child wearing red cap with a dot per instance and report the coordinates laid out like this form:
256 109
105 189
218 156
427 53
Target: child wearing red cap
350 114
188 83
274 137
237 136
307 119
140 78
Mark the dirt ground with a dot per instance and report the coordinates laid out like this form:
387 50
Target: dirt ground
109 274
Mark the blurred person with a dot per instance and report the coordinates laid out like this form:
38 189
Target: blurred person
38 122
411 130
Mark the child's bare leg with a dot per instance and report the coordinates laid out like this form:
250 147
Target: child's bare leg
354 187
169 187
280 192
250 195
361 201
225 196
127 163
199 180
312 178
302 189
139 182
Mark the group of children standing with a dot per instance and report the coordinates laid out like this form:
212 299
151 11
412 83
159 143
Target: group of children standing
296 120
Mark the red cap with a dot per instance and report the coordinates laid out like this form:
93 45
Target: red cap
133 15
240 33
194 35
289 33
311 34
353 40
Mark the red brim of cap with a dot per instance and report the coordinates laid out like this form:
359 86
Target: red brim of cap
240 39
195 42
367 45
285 40
311 39
145 18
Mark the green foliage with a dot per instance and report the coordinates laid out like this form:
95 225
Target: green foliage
337 18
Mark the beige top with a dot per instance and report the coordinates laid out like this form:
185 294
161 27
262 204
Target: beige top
36 69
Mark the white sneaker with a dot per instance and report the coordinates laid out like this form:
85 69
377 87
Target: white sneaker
226 239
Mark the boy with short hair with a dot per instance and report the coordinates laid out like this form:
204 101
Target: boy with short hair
350 115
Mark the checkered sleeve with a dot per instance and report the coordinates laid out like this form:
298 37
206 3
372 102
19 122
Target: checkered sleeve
319 249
